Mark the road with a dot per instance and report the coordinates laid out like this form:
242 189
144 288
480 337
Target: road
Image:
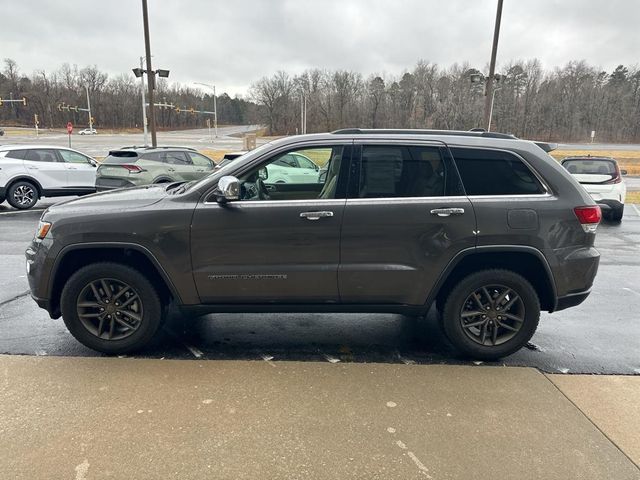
600 336
229 138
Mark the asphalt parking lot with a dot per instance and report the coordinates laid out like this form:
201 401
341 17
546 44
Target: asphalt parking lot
600 336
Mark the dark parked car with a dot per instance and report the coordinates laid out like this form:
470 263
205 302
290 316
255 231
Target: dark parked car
487 227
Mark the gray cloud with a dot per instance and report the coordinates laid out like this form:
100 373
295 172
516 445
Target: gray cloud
233 43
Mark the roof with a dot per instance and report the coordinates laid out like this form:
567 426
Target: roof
152 149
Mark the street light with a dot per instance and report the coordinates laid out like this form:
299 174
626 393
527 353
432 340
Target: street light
215 107
151 74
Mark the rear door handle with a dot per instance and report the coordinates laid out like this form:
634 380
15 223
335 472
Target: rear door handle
445 212
72 168
316 215
171 169
30 167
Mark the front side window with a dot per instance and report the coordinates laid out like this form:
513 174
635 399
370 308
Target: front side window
389 171
73 157
494 172
200 160
282 177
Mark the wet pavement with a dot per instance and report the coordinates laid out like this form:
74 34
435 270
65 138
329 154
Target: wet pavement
601 336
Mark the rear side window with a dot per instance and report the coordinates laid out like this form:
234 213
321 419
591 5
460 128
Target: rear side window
200 161
41 155
175 158
400 171
493 172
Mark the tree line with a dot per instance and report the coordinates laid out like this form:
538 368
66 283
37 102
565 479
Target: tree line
115 102
565 103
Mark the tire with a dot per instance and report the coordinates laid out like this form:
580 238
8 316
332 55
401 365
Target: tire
83 303
22 195
519 297
616 214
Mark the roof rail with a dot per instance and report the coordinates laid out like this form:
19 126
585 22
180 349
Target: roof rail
393 131
147 147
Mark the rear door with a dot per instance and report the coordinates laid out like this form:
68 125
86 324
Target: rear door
405 218
46 167
81 172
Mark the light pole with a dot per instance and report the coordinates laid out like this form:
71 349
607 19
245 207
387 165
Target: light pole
86 87
144 106
215 106
303 112
151 74
488 102
493 97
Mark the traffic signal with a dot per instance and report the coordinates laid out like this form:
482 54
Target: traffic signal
93 120
0 100
24 101
178 110
35 118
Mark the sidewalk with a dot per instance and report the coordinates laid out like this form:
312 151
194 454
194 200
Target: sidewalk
92 418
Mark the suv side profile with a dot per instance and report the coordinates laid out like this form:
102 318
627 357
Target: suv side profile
486 227
135 166
29 172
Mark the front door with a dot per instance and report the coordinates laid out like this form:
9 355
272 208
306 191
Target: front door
81 172
406 217
274 245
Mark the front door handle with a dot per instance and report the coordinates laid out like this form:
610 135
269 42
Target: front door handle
316 215
445 212
171 169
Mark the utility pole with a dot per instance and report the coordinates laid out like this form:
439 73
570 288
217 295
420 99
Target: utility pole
488 99
86 87
150 73
144 106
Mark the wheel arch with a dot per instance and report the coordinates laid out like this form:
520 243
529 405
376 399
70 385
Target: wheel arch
25 178
526 261
76 256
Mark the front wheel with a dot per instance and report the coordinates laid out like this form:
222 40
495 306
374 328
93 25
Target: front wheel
491 314
111 308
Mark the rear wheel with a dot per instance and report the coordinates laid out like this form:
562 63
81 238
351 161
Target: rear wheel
111 308
22 195
491 314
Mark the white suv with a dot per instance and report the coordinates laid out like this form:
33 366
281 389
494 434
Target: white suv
602 178
28 172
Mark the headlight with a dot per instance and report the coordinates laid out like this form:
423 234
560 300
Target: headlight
43 229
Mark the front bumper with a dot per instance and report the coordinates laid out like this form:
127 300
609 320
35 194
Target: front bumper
39 267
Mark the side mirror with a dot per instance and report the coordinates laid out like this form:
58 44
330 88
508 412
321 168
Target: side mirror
623 172
93 162
263 173
228 189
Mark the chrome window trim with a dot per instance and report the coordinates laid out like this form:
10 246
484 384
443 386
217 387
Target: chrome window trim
312 201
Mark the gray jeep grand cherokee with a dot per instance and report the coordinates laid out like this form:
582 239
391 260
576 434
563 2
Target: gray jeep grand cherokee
487 227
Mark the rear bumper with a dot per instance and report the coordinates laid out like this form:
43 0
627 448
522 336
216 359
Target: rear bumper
571 300
104 184
606 204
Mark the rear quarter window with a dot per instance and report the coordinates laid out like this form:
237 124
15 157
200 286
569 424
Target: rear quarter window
494 172
16 154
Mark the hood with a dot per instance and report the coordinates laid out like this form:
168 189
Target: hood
121 199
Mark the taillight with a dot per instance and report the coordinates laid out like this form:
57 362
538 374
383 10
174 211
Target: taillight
589 217
133 168
616 179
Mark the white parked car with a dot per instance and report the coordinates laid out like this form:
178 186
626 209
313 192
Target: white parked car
88 131
28 172
602 178
293 168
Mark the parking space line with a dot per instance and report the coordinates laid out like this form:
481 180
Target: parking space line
636 209
13 212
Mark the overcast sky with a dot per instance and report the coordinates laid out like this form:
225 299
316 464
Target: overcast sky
235 42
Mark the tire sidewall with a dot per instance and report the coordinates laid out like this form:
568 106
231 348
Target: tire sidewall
453 306
152 308
12 190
